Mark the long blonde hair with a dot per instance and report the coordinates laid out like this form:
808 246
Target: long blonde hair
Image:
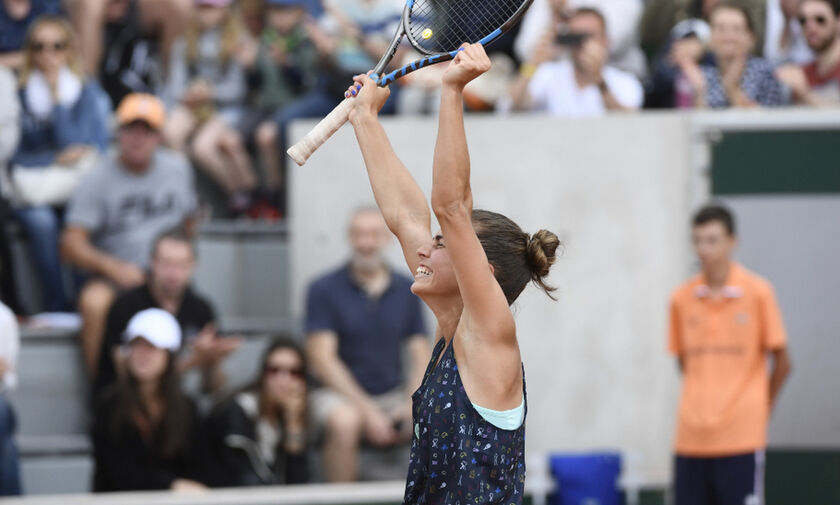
232 31
74 60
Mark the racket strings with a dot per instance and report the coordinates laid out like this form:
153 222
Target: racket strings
439 26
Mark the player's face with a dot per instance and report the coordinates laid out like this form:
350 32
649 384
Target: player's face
172 267
368 237
435 275
819 24
730 37
145 361
712 243
283 374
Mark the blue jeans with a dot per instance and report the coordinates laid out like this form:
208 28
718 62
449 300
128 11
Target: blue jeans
43 226
9 465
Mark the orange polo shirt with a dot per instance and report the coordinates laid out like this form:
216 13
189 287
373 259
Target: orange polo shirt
724 403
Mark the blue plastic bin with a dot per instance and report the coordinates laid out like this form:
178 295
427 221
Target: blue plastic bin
586 478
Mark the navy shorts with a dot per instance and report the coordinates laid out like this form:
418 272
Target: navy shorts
730 480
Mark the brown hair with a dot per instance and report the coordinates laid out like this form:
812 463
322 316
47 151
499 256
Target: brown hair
731 5
74 62
170 432
517 258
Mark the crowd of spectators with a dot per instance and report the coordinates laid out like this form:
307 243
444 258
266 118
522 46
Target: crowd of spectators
108 106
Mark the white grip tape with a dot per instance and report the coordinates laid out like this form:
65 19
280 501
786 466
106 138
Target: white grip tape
301 151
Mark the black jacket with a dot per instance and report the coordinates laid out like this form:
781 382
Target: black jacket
232 434
127 461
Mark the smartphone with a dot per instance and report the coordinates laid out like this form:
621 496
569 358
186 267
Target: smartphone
571 39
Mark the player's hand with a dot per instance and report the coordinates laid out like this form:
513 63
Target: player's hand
368 97
470 62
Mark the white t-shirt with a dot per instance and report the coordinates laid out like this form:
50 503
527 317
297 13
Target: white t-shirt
553 89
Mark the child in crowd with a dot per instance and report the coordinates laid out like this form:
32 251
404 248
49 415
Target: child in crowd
207 90
288 66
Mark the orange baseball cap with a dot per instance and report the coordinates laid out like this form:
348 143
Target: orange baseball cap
141 107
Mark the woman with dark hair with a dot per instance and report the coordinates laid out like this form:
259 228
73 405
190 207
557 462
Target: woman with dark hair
147 434
258 436
469 411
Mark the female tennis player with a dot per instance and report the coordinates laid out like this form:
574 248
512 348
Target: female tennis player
469 412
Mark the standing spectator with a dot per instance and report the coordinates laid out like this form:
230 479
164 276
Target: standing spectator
258 436
127 42
171 270
785 41
207 89
724 323
9 136
660 16
735 79
817 83
63 129
9 344
622 18
15 18
357 319
133 195
289 65
581 86
147 435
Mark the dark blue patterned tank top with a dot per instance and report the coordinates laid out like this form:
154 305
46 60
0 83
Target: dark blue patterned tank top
458 457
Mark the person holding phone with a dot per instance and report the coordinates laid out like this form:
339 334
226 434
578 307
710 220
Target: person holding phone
581 84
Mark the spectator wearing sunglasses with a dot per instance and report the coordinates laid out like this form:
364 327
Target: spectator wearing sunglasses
15 18
258 436
817 83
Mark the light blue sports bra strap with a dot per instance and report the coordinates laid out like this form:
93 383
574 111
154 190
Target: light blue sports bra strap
504 419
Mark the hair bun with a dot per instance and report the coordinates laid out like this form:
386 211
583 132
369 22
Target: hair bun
542 249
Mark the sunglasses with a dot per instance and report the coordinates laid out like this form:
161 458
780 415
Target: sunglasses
297 373
40 47
820 20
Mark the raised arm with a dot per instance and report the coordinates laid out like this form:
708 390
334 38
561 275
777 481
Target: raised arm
398 196
485 305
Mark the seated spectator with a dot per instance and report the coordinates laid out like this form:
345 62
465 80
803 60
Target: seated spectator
785 42
735 78
171 269
583 85
63 130
9 136
661 16
358 318
9 343
688 45
147 434
258 436
817 83
206 91
622 18
289 65
127 42
15 18
131 197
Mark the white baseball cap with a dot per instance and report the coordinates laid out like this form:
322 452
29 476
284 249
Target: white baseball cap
157 326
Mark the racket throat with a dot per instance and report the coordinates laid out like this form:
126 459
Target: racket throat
386 58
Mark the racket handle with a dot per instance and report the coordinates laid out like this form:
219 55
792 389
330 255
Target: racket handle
301 151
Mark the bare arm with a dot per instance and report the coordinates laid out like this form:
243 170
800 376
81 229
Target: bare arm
77 249
781 370
398 196
322 352
485 305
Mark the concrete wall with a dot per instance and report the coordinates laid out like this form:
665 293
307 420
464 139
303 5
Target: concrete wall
618 192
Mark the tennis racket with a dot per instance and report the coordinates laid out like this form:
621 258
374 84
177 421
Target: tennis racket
435 28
